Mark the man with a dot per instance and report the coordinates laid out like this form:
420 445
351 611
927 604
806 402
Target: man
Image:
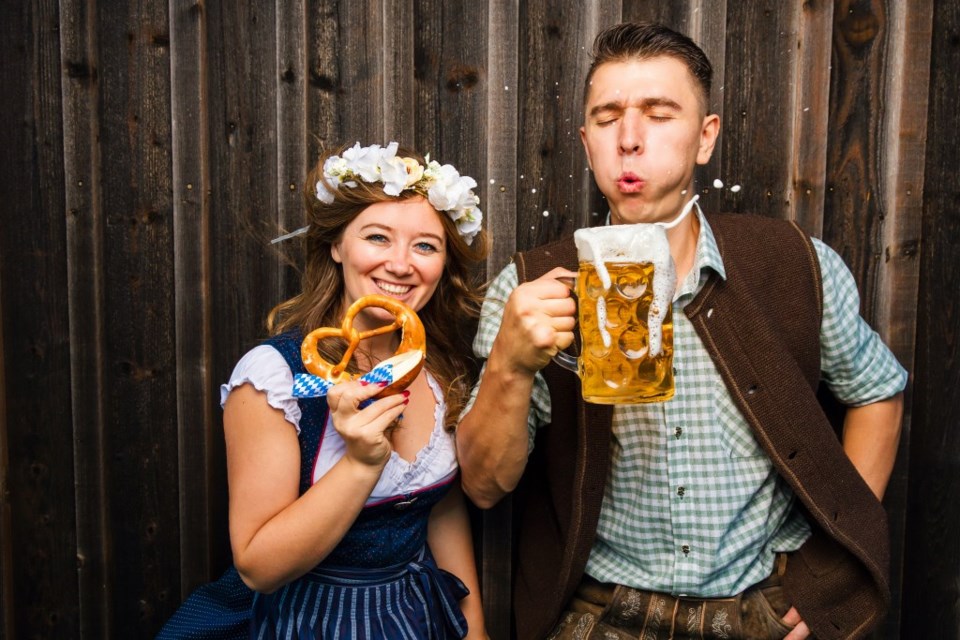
731 510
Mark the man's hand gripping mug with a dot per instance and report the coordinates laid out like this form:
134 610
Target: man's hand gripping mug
624 292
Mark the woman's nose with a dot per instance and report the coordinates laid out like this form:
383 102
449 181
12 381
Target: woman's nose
399 262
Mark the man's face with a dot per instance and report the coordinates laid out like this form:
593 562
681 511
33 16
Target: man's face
644 132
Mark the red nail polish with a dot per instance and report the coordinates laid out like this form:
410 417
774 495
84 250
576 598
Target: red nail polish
406 394
364 383
407 401
382 383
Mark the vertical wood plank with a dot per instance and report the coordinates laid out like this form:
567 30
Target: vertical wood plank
930 560
810 106
500 217
140 434
243 193
853 209
500 175
38 479
293 132
84 252
905 102
191 183
758 73
323 90
6 523
361 88
399 91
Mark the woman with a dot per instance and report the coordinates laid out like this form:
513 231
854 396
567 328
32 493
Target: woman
346 517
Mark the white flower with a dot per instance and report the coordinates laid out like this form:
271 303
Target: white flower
393 173
444 187
469 224
324 195
451 191
414 171
364 162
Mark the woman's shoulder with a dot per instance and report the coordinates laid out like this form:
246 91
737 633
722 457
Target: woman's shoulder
265 368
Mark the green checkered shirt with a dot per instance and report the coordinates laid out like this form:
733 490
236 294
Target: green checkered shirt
692 504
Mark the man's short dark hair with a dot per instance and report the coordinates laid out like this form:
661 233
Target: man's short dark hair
642 40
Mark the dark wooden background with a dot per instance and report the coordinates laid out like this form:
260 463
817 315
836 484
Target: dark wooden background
150 148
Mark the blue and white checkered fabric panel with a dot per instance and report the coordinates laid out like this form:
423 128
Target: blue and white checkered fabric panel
380 373
306 385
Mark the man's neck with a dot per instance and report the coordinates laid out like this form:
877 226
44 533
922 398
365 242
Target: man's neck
683 244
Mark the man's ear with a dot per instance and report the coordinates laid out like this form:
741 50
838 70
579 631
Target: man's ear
709 131
586 149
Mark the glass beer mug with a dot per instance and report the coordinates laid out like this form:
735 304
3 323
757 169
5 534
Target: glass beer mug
624 291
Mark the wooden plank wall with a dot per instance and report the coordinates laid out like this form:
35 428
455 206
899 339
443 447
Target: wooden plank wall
151 149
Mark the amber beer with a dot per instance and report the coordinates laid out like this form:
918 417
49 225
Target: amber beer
615 364
625 291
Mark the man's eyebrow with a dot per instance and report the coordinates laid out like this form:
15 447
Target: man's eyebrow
617 106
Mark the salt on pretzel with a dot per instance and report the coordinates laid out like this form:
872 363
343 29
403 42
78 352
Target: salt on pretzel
413 341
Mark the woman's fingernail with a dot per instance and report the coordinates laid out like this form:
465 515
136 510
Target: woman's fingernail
382 383
406 394
364 383
407 401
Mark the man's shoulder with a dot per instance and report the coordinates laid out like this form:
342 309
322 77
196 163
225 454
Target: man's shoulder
533 263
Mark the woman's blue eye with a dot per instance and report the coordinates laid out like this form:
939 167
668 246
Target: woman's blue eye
377 237
426 247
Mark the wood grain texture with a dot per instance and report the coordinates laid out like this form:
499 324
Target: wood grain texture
154 148
906 91
38 481
499 183
84 263
191 245
755 144
931 563
853 214
140 374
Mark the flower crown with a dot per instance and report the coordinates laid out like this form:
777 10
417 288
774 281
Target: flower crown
442 185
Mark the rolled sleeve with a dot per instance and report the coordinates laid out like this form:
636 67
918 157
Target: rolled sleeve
857 366
491 317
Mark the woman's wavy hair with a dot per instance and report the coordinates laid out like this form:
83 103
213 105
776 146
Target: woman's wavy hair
452 308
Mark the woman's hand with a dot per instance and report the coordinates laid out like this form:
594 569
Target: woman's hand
364 430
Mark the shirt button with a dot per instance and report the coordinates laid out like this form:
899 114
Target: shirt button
678 432
681 491
686 549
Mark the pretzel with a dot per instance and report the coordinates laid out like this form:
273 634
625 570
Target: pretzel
412 339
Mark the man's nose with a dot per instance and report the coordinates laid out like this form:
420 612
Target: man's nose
631 133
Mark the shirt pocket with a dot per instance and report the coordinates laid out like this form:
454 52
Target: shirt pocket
736 436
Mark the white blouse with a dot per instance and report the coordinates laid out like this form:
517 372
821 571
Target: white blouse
265 369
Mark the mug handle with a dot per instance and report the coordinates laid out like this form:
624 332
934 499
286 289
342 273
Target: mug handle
565 360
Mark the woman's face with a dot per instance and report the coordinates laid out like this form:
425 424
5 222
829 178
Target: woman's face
395 248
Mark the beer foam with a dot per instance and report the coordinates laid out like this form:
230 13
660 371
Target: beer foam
602 321
640 243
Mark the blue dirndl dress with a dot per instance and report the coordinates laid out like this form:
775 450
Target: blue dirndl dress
380 582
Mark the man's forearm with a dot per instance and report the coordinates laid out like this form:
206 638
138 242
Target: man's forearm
871 435
492 438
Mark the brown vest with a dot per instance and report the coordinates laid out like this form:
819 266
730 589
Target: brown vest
761 327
